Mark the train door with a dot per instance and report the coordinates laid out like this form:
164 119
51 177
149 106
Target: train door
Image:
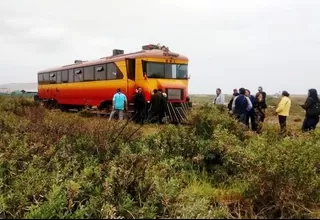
131 77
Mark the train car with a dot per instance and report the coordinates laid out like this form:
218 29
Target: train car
93 83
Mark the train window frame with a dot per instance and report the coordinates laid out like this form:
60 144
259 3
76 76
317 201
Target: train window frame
100 70
64 76
78 75
111 69
59 77
70 73
89 73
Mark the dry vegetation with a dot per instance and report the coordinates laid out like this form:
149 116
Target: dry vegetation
62 165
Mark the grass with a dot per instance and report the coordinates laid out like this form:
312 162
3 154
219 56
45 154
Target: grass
63 165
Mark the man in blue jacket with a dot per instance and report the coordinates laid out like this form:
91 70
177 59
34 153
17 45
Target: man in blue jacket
241 105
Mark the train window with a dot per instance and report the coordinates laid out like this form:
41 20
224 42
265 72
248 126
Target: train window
176 71
59 77
71 78
46 78
88 74
64 76
99 69
182 71
113 72
155 70
166 71
40 78
53 77
101 72
78 71
78 75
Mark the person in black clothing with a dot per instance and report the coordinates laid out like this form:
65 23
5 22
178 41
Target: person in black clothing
188 102
139 106
259 109
311 118
264 97
154 111
235 94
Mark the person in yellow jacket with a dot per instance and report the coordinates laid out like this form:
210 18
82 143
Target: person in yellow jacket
283 110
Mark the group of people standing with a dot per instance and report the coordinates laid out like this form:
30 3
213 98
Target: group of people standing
153 113
246 107
156 111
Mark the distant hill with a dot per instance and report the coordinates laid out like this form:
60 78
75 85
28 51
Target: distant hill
18 86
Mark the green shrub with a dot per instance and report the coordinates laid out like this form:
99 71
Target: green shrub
63 165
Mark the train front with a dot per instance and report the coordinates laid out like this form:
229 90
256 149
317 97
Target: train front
168 71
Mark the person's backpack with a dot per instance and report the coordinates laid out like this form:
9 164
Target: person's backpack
314 111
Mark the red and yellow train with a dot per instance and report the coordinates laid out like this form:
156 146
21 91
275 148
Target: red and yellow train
93 83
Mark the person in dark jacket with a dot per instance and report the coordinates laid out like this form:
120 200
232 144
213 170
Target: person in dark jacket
154 111
139 106
251 114
259 109
311 118
264 97
241 105
163 105
235 94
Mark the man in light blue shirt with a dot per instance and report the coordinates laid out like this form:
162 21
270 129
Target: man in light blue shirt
119 104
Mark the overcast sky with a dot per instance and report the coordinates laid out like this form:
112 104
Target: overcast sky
230 43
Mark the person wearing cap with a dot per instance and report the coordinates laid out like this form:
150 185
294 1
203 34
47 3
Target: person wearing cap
119 104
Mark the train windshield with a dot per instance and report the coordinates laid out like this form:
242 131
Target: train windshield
166 70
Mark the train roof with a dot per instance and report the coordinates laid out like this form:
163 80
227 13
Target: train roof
153 51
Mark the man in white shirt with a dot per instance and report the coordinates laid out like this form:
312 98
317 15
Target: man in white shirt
220 99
